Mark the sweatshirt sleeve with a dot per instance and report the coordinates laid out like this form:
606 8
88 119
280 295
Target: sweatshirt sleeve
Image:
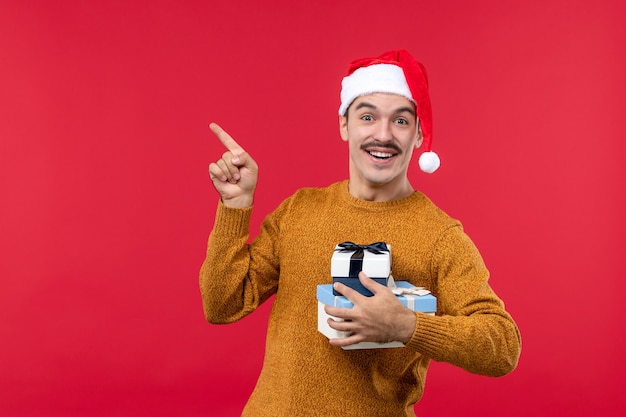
472 329
237 277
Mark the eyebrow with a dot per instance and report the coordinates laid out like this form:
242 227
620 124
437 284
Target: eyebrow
399 110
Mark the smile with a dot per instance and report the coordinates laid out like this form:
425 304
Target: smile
381 155
381 151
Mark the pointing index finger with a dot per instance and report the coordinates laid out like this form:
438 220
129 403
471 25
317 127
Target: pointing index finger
226 139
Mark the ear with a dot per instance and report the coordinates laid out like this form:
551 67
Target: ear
419 137
343 127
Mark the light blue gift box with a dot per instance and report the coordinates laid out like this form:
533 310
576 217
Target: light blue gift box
424 304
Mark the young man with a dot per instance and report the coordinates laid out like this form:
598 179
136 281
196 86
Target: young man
384 116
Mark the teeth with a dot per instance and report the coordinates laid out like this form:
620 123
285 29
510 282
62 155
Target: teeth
381 154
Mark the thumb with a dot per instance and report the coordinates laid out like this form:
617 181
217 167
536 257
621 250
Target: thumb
244 160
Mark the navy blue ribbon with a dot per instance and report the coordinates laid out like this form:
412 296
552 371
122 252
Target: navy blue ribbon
356 260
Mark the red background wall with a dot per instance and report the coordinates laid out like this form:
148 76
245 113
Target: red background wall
106 203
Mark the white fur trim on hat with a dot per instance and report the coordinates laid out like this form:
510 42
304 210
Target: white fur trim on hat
378 78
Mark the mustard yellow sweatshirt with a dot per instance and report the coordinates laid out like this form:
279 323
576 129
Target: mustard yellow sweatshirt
303 375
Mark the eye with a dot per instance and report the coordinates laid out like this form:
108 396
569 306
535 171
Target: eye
402 121
367 117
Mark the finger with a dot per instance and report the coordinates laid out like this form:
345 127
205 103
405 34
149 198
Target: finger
229 170
340 324
349 328
353 295
234 163
347 341
226 139
370 284
217 173
339 313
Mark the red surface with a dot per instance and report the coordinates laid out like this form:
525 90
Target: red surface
106 203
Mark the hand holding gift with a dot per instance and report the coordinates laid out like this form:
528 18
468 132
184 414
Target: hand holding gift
381 318
365 307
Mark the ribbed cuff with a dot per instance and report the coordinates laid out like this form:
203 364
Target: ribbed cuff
429 334
231 222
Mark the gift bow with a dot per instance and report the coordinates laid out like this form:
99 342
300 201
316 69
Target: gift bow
376 247
418 291
356 260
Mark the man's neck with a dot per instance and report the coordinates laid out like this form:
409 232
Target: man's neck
380 192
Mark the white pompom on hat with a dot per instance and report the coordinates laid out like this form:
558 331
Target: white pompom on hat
394 72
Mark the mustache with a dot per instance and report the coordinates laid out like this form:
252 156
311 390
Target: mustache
378 144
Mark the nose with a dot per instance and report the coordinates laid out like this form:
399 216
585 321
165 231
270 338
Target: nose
383 131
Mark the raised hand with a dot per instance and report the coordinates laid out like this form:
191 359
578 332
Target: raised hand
235 174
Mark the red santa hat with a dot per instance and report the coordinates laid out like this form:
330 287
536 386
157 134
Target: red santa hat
395 72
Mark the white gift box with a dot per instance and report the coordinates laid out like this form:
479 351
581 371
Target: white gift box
348 260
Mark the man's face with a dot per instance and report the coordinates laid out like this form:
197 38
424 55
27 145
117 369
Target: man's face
382 131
